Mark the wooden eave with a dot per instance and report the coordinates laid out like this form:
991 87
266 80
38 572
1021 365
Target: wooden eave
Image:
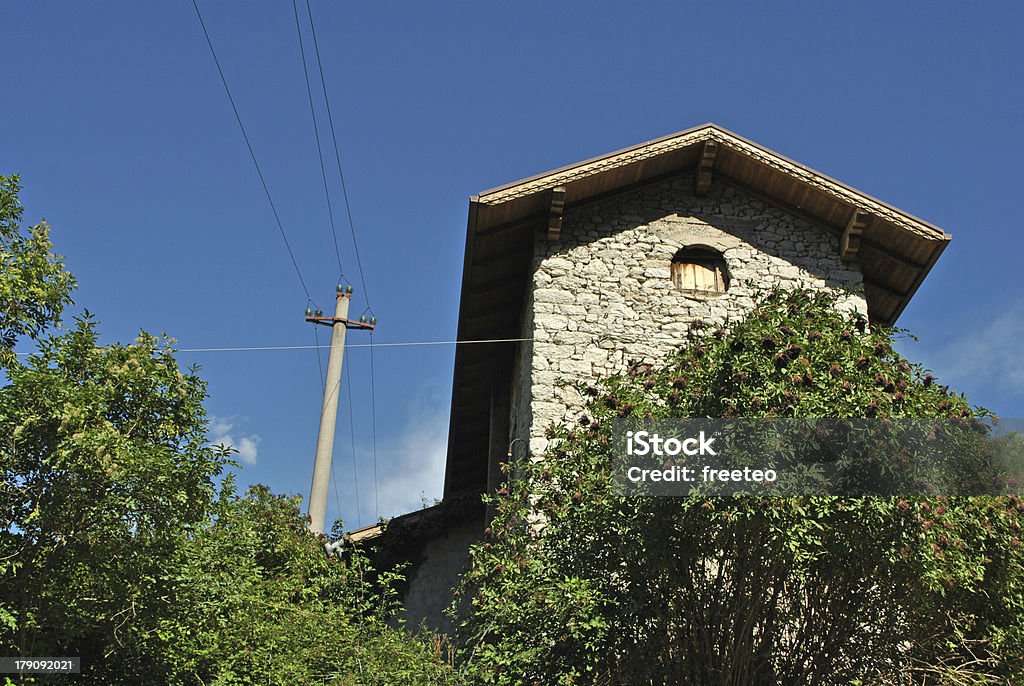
893 249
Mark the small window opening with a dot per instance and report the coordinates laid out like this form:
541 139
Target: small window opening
699 270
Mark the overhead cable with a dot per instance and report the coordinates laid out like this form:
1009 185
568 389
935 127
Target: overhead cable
337 155
406 344
265 348
252 154
316 134
373 428
352 438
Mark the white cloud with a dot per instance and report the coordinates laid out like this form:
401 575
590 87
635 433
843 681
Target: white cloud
410 463
411 467
224 431
986 354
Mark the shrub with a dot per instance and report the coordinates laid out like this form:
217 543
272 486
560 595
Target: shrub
639 590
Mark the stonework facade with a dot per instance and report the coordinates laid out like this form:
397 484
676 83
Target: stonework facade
601 297
616 260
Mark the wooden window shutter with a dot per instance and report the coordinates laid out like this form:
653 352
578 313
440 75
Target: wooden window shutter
699 270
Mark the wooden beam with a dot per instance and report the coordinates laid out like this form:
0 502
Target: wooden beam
481 358
516 225
496 301
503 257
891 254
555 213
478 424
515 281
886 289
704 166
849 242
496 314
936 251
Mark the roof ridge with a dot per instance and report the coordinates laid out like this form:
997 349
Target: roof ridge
711 131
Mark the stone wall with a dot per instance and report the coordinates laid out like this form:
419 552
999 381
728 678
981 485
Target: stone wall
433 578
602 296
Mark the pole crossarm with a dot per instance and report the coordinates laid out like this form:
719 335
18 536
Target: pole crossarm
349 323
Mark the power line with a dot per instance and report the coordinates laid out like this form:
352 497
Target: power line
337 252
337 154
373 428
319 362
266 348
252 154
352 438
316 133
337 493
406 344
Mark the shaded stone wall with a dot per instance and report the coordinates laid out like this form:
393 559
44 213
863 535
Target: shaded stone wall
432 580
602 296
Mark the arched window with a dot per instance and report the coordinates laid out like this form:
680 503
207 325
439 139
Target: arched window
699 270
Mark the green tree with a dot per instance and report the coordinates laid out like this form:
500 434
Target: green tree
34 286
121 539
576 583
257 601
120 548
105 460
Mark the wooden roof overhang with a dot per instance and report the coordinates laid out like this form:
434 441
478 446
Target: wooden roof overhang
893 249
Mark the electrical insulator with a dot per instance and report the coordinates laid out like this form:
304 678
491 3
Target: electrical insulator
309 311
319 312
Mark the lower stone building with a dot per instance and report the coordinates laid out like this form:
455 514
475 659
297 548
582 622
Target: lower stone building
578 273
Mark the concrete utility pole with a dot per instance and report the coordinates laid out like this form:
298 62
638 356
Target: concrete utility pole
339 323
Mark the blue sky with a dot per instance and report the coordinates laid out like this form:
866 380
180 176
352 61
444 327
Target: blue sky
115 118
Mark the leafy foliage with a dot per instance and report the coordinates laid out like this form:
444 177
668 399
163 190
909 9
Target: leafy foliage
34 286
104 458
577 584
255 600
122 541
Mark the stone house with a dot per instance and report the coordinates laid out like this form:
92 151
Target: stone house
580 271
